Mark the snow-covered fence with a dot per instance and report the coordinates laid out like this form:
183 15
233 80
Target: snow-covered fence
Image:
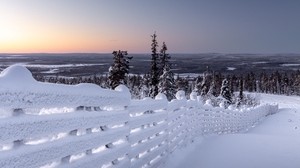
149 131
47 125
220 120
50 125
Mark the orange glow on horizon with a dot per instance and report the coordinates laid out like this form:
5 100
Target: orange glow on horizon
34 36
46 40
36 40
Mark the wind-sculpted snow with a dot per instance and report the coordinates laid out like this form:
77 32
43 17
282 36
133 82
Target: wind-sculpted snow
18 89
87 126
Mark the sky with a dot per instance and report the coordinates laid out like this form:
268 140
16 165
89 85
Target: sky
187 26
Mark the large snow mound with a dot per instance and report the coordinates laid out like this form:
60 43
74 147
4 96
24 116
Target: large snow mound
18 89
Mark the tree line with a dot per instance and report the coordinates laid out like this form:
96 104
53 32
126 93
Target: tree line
212 87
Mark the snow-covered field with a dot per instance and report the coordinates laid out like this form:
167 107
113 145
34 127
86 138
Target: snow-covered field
274 143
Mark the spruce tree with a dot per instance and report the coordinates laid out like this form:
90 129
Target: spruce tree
241 94
166 80
119 69
181 84
145 88
154 72
213 90
204 86
225 93
198 85
211 94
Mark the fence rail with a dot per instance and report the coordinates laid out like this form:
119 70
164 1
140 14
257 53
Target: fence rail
50 125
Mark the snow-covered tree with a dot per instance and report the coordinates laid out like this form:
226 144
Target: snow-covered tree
213 92
203 87
241 94
198 85
225 93
166 81
154 71
145 86
181 83
119 68
163 58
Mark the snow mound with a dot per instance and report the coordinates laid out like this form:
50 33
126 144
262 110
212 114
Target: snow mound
160 96
18 89
180 95
193 96
16 75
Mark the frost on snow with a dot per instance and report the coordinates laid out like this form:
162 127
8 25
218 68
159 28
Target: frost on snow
54 125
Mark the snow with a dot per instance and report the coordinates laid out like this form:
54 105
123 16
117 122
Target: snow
60 66
273 143
260 62
51 71
288 65
110 129
180 95
231 68
18 89
191 75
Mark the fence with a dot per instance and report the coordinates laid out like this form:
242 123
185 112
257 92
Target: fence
51 125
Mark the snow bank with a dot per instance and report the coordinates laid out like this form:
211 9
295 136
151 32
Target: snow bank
18 89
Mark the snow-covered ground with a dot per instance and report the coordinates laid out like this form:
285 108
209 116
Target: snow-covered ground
274 143
56 125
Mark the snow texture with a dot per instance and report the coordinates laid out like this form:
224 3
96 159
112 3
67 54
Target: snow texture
52 125
273 143
18 89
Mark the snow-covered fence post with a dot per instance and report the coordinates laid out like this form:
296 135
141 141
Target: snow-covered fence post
177 121
193 119
148 131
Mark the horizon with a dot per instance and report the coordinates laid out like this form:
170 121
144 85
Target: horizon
136 53
64 26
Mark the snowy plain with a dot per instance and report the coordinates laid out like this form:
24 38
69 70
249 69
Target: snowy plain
274 143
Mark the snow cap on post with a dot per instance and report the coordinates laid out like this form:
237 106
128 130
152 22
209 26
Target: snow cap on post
161 100
193 96
208 102
180 95
123 89
160 96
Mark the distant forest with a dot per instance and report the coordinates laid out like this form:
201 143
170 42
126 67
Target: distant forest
275 83
211 85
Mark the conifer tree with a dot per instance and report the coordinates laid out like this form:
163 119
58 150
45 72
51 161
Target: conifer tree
163 59
225 93
241 94
119 69
213 92
145 91
166 80
204 86
198 85
181 84
154 72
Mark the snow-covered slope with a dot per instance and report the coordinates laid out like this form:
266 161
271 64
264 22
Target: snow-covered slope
275 143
